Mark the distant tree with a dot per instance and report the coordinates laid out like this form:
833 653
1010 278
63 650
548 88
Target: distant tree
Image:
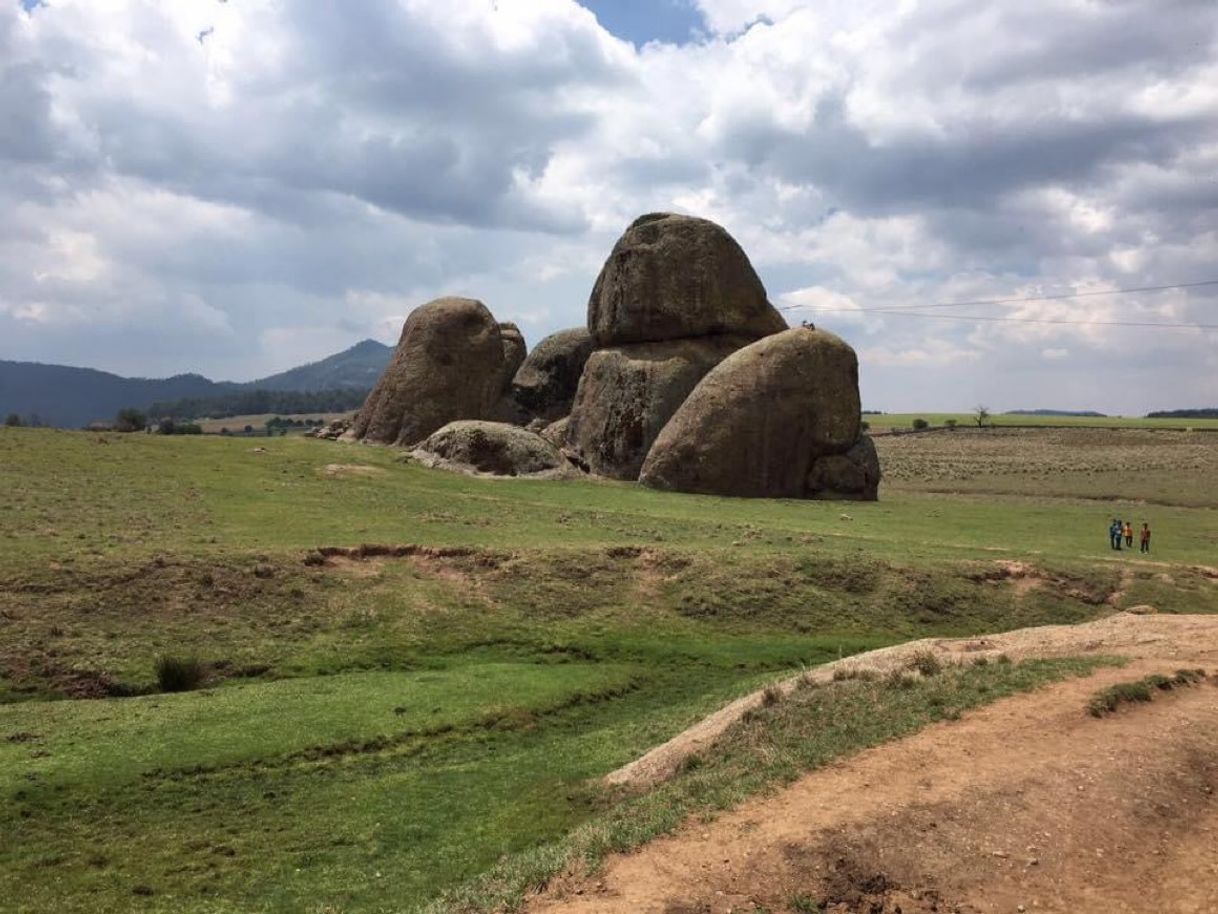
130 420
950 423
167 427
920 424
189 428
249 429
866 425
12 420
981 415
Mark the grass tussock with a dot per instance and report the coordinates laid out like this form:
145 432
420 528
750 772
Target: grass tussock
1139 691
179 674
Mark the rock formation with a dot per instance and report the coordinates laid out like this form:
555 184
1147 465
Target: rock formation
545 384
449 364
765 422
493 448
676 296
686 379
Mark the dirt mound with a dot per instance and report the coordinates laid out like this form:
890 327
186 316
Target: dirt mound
1029 804
1124 633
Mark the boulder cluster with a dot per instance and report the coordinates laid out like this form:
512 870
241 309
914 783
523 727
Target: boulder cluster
686 378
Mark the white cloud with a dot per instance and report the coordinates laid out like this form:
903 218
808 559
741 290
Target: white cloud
257 182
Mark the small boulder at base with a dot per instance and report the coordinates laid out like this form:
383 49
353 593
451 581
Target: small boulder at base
545 383
852 475
491 448
757 422
672 276
556 432
448 365
628 393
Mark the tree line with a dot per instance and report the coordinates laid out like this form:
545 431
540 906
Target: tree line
255 402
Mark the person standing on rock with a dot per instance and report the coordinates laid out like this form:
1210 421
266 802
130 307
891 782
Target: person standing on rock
1145 537
1129 534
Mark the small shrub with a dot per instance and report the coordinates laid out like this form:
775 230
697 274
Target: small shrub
771 696
981 661
899 679
804 904
950 423
179 674
920 424
926 662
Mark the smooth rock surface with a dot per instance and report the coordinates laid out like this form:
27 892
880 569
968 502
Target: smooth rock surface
756 423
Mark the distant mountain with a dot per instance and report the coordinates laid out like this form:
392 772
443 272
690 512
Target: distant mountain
72 397
1055 412
356 368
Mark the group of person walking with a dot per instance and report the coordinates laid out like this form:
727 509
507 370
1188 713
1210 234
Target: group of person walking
1120 530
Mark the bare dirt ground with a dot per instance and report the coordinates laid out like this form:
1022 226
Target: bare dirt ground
1029 804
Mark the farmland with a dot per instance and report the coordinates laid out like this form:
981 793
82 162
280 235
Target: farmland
884 421
376 731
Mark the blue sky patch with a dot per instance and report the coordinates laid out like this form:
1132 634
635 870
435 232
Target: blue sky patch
641 21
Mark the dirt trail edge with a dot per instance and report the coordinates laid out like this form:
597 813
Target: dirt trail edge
1028 804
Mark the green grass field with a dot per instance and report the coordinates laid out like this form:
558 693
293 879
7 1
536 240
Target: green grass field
376 734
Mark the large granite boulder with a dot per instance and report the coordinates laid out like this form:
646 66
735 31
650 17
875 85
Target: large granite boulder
448 365
545 384
492 448
672 276
628 393
755 425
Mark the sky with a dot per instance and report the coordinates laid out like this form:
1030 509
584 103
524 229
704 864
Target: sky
237 186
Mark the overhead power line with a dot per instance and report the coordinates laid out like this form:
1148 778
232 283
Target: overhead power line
1048 320
919 310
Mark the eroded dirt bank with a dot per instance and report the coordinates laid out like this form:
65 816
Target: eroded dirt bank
1028 802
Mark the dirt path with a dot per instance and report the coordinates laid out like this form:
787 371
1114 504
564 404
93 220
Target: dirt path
1028 802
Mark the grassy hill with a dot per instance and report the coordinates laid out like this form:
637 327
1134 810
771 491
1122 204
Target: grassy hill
377 731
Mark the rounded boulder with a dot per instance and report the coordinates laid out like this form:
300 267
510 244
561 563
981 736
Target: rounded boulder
671 276
546 382
493 448
756 423
448 365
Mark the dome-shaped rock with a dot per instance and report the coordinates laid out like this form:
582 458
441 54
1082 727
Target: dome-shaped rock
754 425
448 365
628 393
672 276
